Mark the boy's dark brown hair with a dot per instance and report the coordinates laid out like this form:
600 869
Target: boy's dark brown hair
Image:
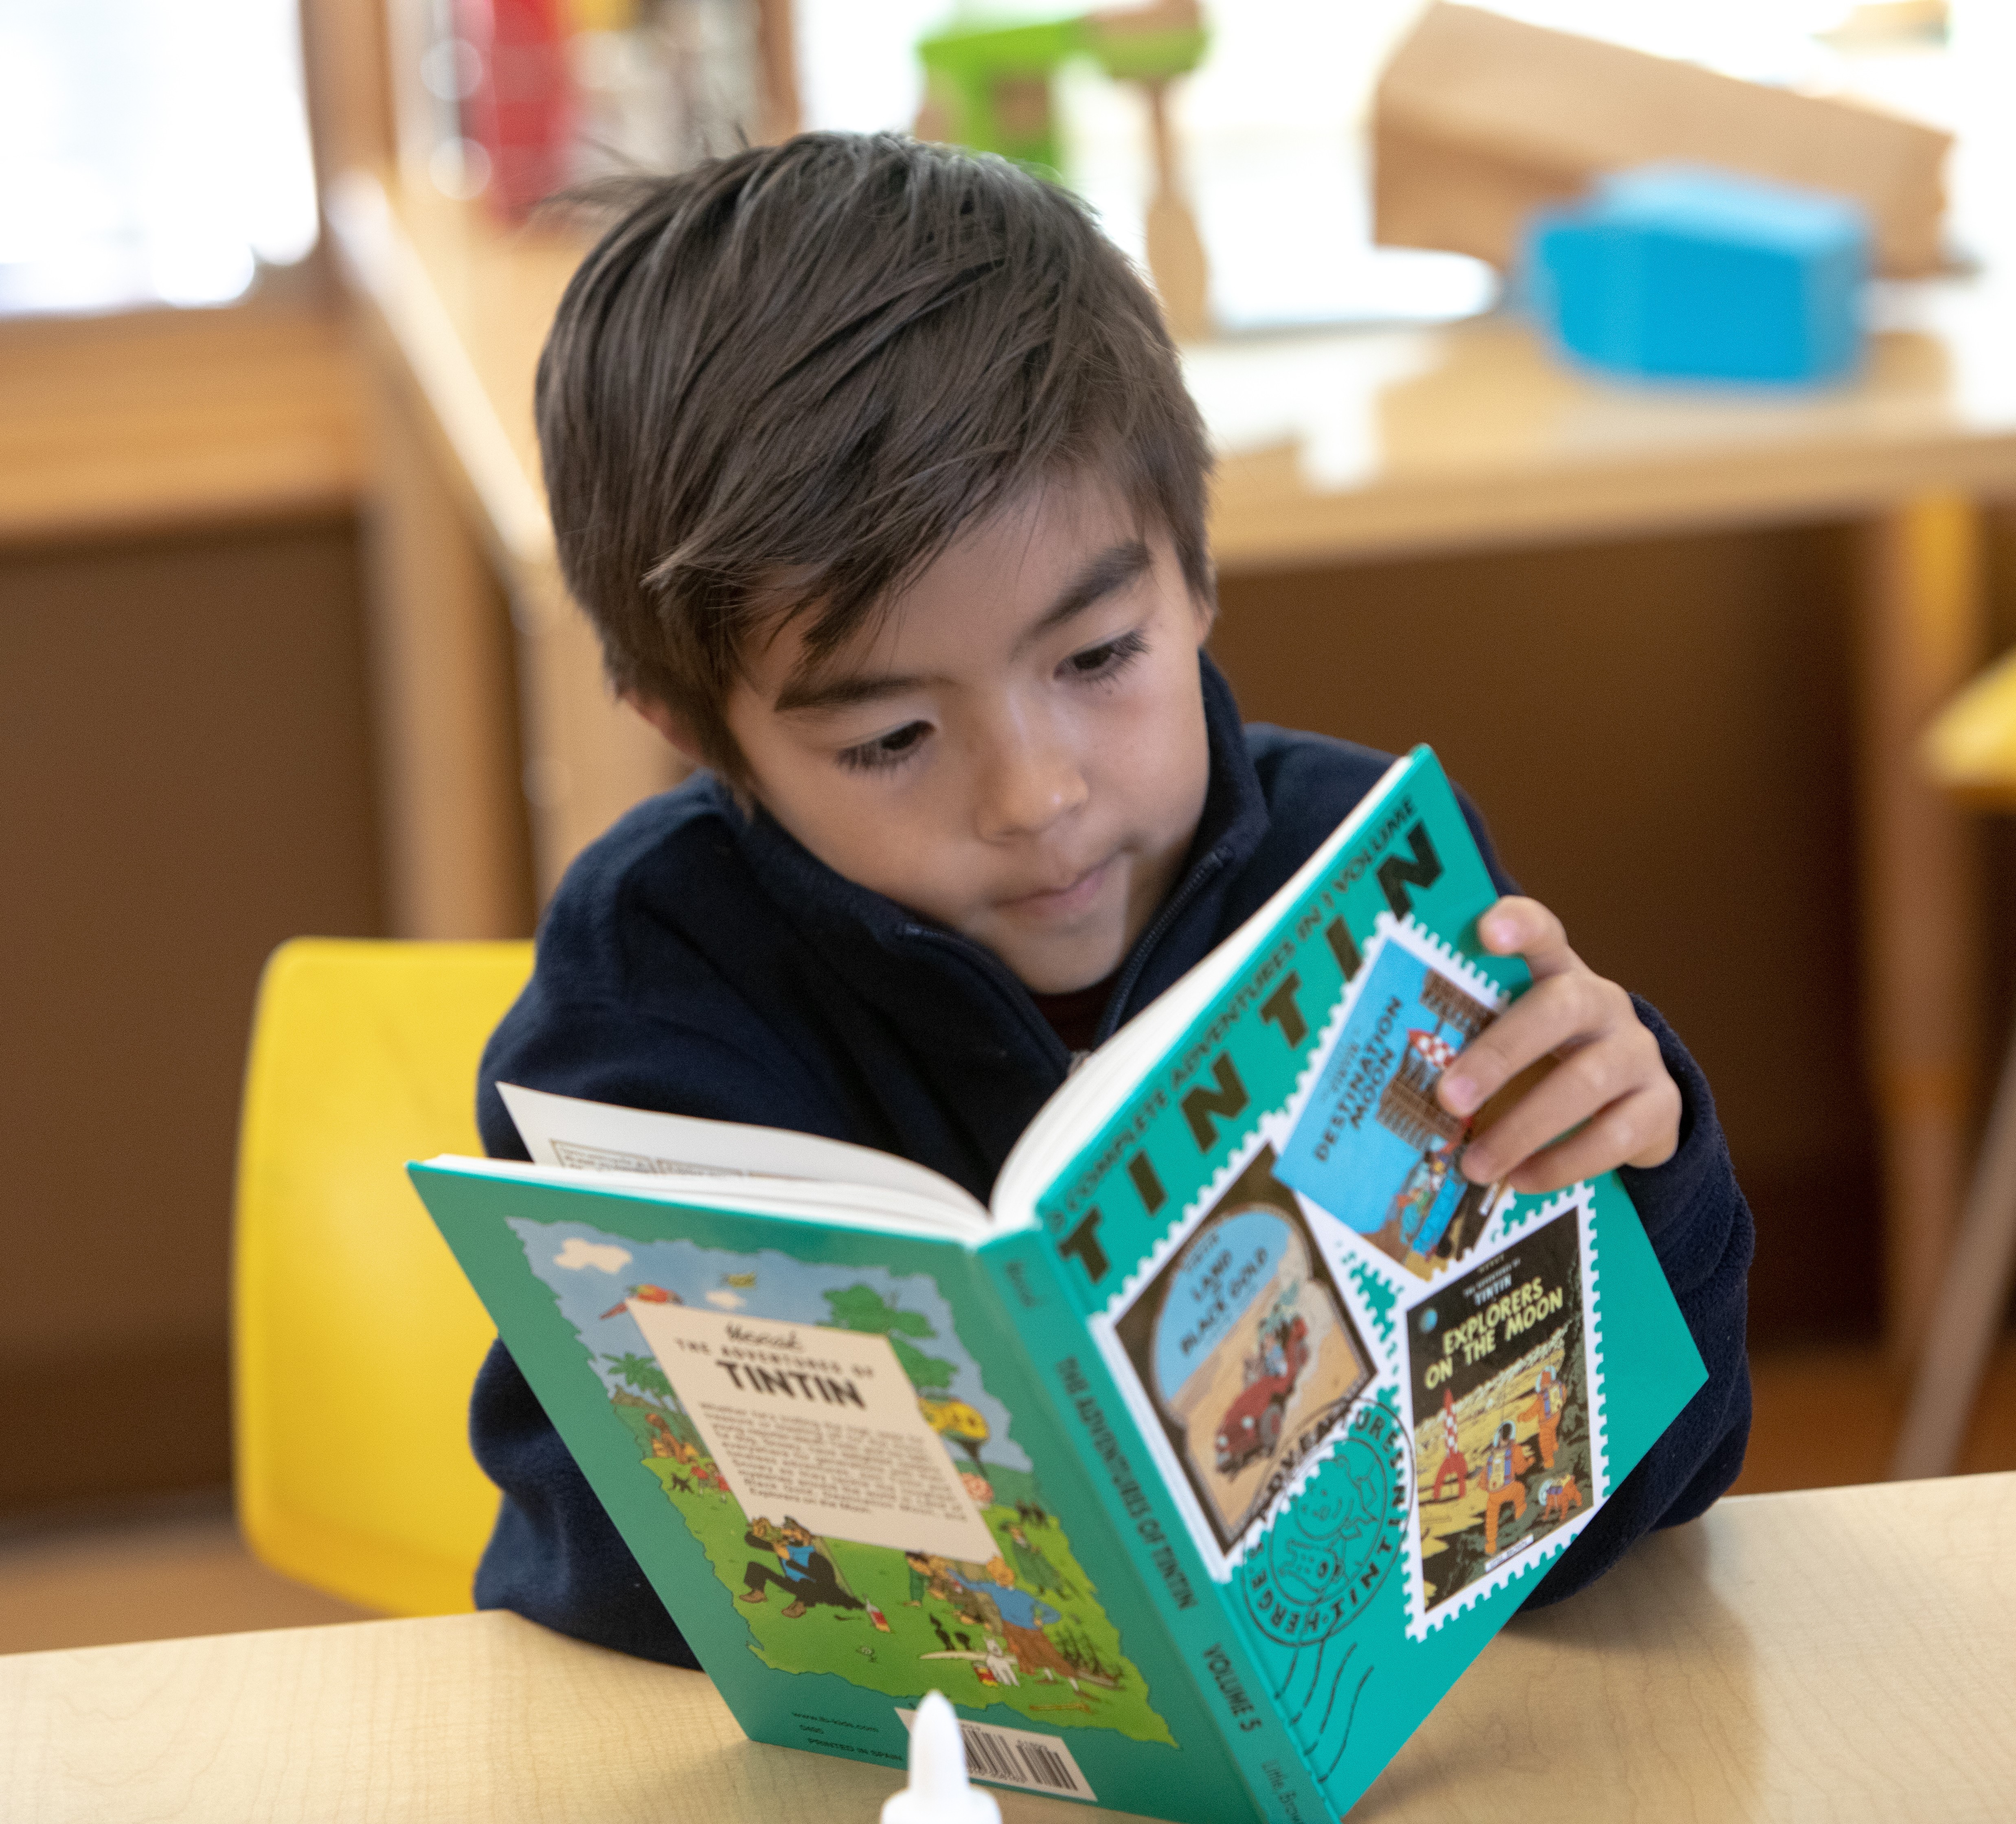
786 380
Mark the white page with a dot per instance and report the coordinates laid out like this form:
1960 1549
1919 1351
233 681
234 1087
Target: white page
820 1201
565 1131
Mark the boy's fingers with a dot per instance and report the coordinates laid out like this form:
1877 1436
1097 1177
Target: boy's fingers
1605 1099
1519 926
1569 1094
1563 1011
1581 1088
1638 1130
1588 1079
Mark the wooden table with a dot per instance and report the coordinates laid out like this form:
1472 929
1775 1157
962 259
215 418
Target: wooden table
1847 1653
1336 448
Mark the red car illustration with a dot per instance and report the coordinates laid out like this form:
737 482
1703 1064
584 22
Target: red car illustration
1252 1422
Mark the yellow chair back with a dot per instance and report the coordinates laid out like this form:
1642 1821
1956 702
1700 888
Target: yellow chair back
355 1336
1969 749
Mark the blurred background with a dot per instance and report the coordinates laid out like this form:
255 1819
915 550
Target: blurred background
282 649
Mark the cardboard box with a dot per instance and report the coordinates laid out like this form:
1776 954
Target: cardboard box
1479 120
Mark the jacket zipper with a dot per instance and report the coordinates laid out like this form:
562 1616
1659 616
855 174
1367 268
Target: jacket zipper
1017 992
1006 981
1171 910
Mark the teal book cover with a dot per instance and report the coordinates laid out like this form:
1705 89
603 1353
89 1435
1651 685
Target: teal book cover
1384 1399
1197 1472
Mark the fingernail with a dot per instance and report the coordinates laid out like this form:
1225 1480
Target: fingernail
1459 1094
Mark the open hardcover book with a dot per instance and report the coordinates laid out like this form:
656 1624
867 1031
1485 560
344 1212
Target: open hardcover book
1194 1470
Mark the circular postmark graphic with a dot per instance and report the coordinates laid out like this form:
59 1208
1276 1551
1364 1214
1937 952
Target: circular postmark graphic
1325 1560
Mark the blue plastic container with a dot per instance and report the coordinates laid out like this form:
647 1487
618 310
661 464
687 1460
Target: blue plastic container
1685 272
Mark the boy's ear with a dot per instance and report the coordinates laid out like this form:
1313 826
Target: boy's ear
676 728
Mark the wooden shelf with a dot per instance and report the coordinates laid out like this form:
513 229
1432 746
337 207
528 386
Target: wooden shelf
464 303
162 421
455 307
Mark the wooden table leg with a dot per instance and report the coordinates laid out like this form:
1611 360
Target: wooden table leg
1922 632
1971 1304
455 826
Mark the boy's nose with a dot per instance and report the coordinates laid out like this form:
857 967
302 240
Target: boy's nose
1031 780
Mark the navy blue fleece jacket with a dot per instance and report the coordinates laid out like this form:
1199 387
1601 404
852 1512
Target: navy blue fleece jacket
700 961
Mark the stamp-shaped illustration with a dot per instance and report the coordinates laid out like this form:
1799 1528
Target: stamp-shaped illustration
1245 1351
1502 1410
1372 1146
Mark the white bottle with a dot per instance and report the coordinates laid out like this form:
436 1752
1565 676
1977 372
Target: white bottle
938 1792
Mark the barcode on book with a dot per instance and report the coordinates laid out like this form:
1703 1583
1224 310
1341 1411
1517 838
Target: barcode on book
1041 1764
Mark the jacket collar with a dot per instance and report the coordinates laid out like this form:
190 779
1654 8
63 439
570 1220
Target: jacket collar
881 947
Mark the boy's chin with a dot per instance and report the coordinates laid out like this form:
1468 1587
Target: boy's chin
1060 956
1064 972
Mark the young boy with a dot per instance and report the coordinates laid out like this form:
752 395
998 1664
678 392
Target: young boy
872 464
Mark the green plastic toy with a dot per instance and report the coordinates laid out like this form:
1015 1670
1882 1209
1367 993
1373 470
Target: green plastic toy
990 87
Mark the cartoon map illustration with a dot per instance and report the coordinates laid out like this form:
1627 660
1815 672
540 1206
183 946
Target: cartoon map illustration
1020 1626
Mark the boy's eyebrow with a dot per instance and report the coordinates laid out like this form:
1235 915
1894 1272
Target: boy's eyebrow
1112 569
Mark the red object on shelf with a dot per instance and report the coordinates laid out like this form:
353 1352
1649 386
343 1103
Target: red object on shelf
520 110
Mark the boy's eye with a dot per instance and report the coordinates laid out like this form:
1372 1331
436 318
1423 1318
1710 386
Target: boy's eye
1108 658
885 750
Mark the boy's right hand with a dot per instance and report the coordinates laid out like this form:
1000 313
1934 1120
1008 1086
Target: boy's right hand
1602 1097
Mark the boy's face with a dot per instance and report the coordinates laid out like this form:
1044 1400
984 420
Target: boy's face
1017 751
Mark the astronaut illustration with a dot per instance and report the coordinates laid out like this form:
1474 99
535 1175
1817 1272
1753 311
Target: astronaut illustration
1505 1463
1549 1398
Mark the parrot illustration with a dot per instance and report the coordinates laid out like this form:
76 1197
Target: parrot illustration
650 1294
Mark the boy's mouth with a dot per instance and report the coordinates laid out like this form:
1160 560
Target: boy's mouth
1075 896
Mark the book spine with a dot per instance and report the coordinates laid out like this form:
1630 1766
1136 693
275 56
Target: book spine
1205 1631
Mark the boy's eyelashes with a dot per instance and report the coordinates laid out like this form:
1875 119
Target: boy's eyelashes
1096 664
885 750
1109 658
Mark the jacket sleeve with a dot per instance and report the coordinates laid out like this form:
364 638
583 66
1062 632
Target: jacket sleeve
1486 846
1701 1230
554 1557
